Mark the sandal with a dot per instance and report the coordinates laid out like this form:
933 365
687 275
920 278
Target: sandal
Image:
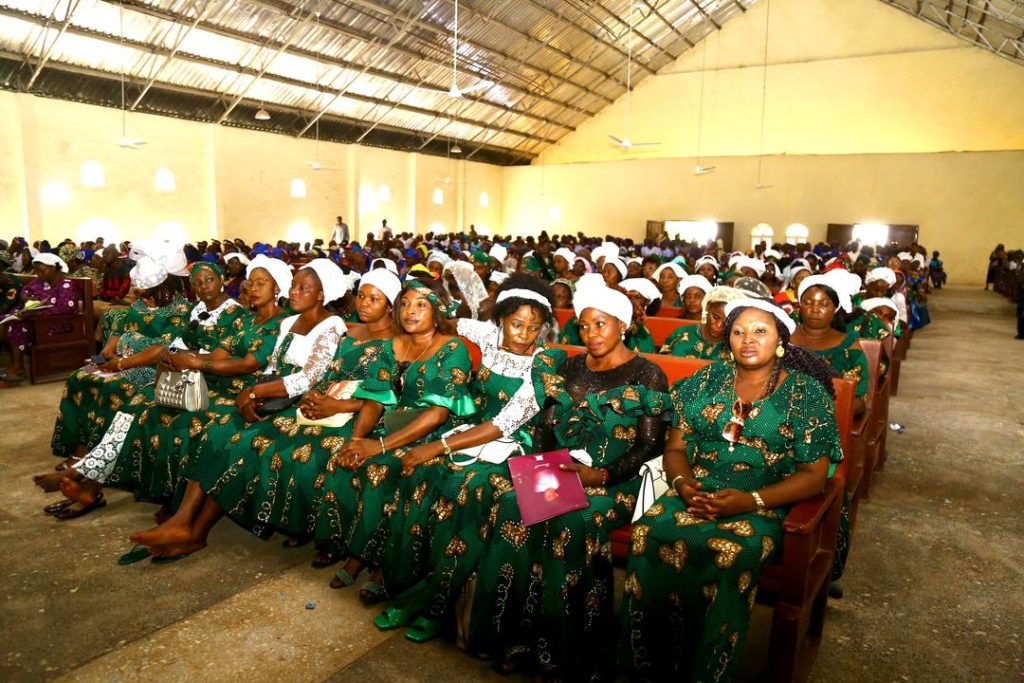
73 512
371 593
295 541
342 579
392 618
325 558
136 554
169 559
423 629
54 508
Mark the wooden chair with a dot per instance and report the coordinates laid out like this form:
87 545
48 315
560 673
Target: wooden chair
662 328
56 352
669 312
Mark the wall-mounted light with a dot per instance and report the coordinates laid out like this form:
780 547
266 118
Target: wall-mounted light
485 200
438 197
298 188
165 180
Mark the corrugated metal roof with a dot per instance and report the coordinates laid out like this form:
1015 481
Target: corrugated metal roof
378 71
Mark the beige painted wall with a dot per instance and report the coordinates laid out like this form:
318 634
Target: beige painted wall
863 104
230 182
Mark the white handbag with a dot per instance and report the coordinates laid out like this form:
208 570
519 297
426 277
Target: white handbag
184 389
653 485
339 390
495 452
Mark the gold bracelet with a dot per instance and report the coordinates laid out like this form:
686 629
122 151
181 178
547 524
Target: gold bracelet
383 448
120 363
445 446
675 479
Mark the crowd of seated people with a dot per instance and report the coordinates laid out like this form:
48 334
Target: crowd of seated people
1006 276
346 413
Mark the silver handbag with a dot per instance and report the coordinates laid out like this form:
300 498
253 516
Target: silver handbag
185 390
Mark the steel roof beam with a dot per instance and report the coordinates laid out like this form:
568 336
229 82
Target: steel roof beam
608 45
47 50
214 96
243 36
208 61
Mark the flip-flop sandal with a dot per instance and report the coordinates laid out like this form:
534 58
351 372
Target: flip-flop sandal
71 512
423 629
371 593
344 577
392 618
136 554
54 508
169 559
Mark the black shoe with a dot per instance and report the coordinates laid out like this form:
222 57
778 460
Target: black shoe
835 590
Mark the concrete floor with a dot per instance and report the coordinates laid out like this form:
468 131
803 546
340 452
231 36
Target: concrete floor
934 584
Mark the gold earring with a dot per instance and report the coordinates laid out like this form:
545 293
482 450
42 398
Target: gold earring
779 351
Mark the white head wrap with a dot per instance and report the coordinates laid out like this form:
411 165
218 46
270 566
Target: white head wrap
734 257
919 259
772 253
673 266
905 256
517 293
764 305
439 257
497 277
333 281
590 280
170 254
642 286
51 260
384 280
147 272
609 249
388 263
882 273
606 300
498 253
566 254
879 301
756 265
280 271
706 259
838 283
636 259
698 281
617 262
238 255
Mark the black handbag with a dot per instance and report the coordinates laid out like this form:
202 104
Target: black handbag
270 406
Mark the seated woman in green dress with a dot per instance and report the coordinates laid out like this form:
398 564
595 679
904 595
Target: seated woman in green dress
638 337
543 590
692 290
376 503
305 346
646 300
824 305
706 340
155 435
270 475
153 321
668 275
510 387
696 555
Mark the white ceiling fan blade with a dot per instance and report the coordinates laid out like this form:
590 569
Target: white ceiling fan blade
133 143
701 170
476 86
619 141
644 144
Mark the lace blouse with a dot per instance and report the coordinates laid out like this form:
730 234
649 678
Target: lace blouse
312 352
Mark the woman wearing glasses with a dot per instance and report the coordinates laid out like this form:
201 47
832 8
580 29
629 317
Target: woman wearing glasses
749 439
375 503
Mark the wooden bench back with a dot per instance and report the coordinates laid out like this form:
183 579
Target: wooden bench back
662 328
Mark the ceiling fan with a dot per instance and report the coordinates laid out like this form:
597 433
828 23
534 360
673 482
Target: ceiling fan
455 91
699 168
624 143
314 163
124 142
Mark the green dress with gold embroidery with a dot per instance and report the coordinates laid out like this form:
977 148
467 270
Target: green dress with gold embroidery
270 477
381 516
543 589
509 391
690 583
83 415
160 438
688 342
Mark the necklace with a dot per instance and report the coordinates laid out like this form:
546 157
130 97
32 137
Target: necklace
398 383
741 409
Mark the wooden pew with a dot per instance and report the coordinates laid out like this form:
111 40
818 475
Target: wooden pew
899 355
662 328
563 315
53 354
879 405
669 312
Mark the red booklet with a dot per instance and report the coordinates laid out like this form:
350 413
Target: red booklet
543 490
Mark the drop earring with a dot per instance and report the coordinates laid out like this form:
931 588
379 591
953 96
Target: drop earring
779 351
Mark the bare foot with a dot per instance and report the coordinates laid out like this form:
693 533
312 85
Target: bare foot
163 535
49 482
163 514
85 491
68 463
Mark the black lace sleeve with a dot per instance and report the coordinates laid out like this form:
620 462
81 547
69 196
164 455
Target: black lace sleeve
650 431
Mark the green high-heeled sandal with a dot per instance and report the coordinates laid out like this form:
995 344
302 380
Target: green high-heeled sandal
392 618
423 629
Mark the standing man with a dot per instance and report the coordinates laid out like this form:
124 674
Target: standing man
385 230
340 234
